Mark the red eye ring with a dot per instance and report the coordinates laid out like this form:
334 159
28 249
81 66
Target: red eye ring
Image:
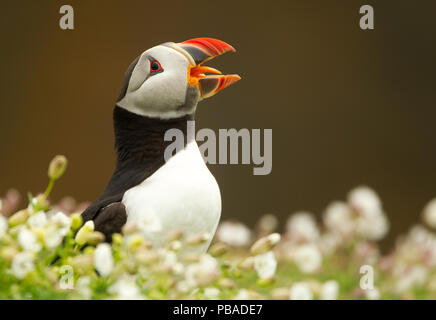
155 66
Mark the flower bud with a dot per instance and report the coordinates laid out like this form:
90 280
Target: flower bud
247 264
176 234
89 251
147 244
76 221
7 239
135 241
198 239
13 231
177 268
280 294
57 167
39 233
52 276
264 282
144 256
40 202
82 234
265 244
267 224
207 278
191 257
175 246
314 286
254 295
10 202
18 218
130 228
218 249
226 283
117 239
235 273
81 263
130 267
227 264
8 253
95 238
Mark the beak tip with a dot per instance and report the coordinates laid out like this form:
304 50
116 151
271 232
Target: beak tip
234 78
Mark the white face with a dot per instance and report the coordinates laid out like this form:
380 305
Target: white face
160 89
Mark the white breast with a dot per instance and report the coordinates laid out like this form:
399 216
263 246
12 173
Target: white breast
181 195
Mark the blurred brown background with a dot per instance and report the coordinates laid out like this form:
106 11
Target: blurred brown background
347 106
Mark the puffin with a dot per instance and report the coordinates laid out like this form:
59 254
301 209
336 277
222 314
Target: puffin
160 193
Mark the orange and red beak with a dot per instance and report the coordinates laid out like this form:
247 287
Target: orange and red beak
209 80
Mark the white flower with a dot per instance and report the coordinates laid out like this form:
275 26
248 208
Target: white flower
3 225
419 234
337 218
308 258
169 257
149 222
22 264
169 260
429 214
371 222
302 226
329 242
202 272
37 220
364 199
103 260
300 291
242 294
420 244
62 221
82 287
234 233
416 276
372 294
126 289
268 223
28 241
372 227
211 293
329 290
207 263
183 286
178 268
265 265
52 236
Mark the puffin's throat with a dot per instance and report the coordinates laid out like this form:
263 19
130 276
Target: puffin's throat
140 139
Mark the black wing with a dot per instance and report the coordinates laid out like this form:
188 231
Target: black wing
122 180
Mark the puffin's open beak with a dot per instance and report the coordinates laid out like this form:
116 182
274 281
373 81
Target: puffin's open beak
209 80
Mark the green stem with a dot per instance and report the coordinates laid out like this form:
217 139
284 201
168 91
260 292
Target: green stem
49 188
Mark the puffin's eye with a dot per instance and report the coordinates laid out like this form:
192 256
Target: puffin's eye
155 66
